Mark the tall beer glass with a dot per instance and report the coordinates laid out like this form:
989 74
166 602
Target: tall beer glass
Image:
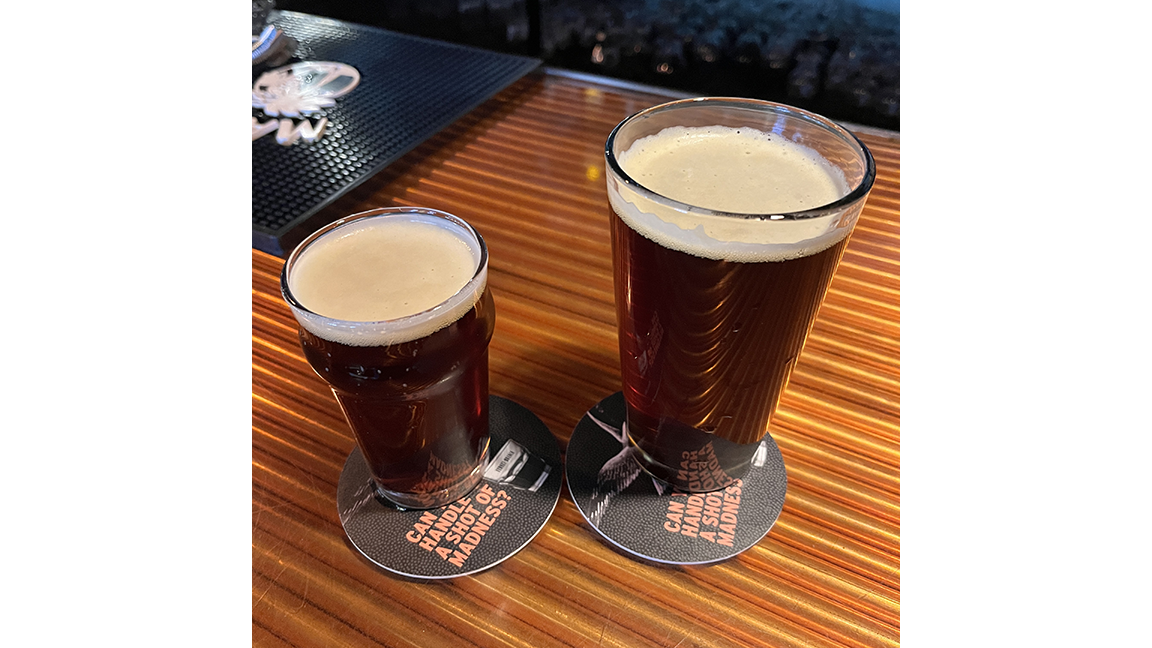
395 315
729 217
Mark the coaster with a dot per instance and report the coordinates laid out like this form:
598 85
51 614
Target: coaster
512 503
652 520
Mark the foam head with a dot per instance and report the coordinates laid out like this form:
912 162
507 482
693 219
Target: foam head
386 277
736 180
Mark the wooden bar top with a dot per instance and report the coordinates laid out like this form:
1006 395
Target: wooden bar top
527 170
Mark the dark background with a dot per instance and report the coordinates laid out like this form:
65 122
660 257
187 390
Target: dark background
840 58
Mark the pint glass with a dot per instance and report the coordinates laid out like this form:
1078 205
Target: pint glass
729 217
395 315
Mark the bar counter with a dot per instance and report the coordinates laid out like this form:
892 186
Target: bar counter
526 168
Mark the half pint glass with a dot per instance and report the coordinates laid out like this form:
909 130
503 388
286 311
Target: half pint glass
729 217
395 315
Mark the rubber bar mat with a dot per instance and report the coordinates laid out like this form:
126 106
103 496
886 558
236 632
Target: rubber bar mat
410 88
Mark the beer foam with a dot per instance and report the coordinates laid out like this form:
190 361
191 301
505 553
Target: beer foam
387 279
737 170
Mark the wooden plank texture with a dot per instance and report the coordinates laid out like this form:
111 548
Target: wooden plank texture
527 170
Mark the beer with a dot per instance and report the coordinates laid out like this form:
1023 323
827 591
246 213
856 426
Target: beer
396 317
717 284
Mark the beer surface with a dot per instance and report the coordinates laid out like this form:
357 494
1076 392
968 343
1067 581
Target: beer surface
731 169
382 269
738 170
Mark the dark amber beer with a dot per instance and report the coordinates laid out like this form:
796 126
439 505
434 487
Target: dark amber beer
729 217
395 315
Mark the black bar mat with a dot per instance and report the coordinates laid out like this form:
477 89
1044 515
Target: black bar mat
410 88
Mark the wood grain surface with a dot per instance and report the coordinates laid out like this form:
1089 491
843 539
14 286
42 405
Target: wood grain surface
527 170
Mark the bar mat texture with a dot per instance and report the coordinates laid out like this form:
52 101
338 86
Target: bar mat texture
410 88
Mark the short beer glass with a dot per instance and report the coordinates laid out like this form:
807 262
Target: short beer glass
729 217
396 316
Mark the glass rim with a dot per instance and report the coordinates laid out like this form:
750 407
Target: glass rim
481 265
857 193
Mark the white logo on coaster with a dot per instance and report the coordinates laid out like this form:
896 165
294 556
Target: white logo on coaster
296 91
514 466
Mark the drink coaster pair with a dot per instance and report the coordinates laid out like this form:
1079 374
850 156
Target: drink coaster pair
722 284
521 486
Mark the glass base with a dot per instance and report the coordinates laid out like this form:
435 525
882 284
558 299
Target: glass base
705 476
649 519
414 543
438 498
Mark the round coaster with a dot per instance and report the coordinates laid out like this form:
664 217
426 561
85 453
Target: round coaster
652 520
519 491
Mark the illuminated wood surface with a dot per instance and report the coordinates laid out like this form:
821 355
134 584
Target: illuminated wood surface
527 170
